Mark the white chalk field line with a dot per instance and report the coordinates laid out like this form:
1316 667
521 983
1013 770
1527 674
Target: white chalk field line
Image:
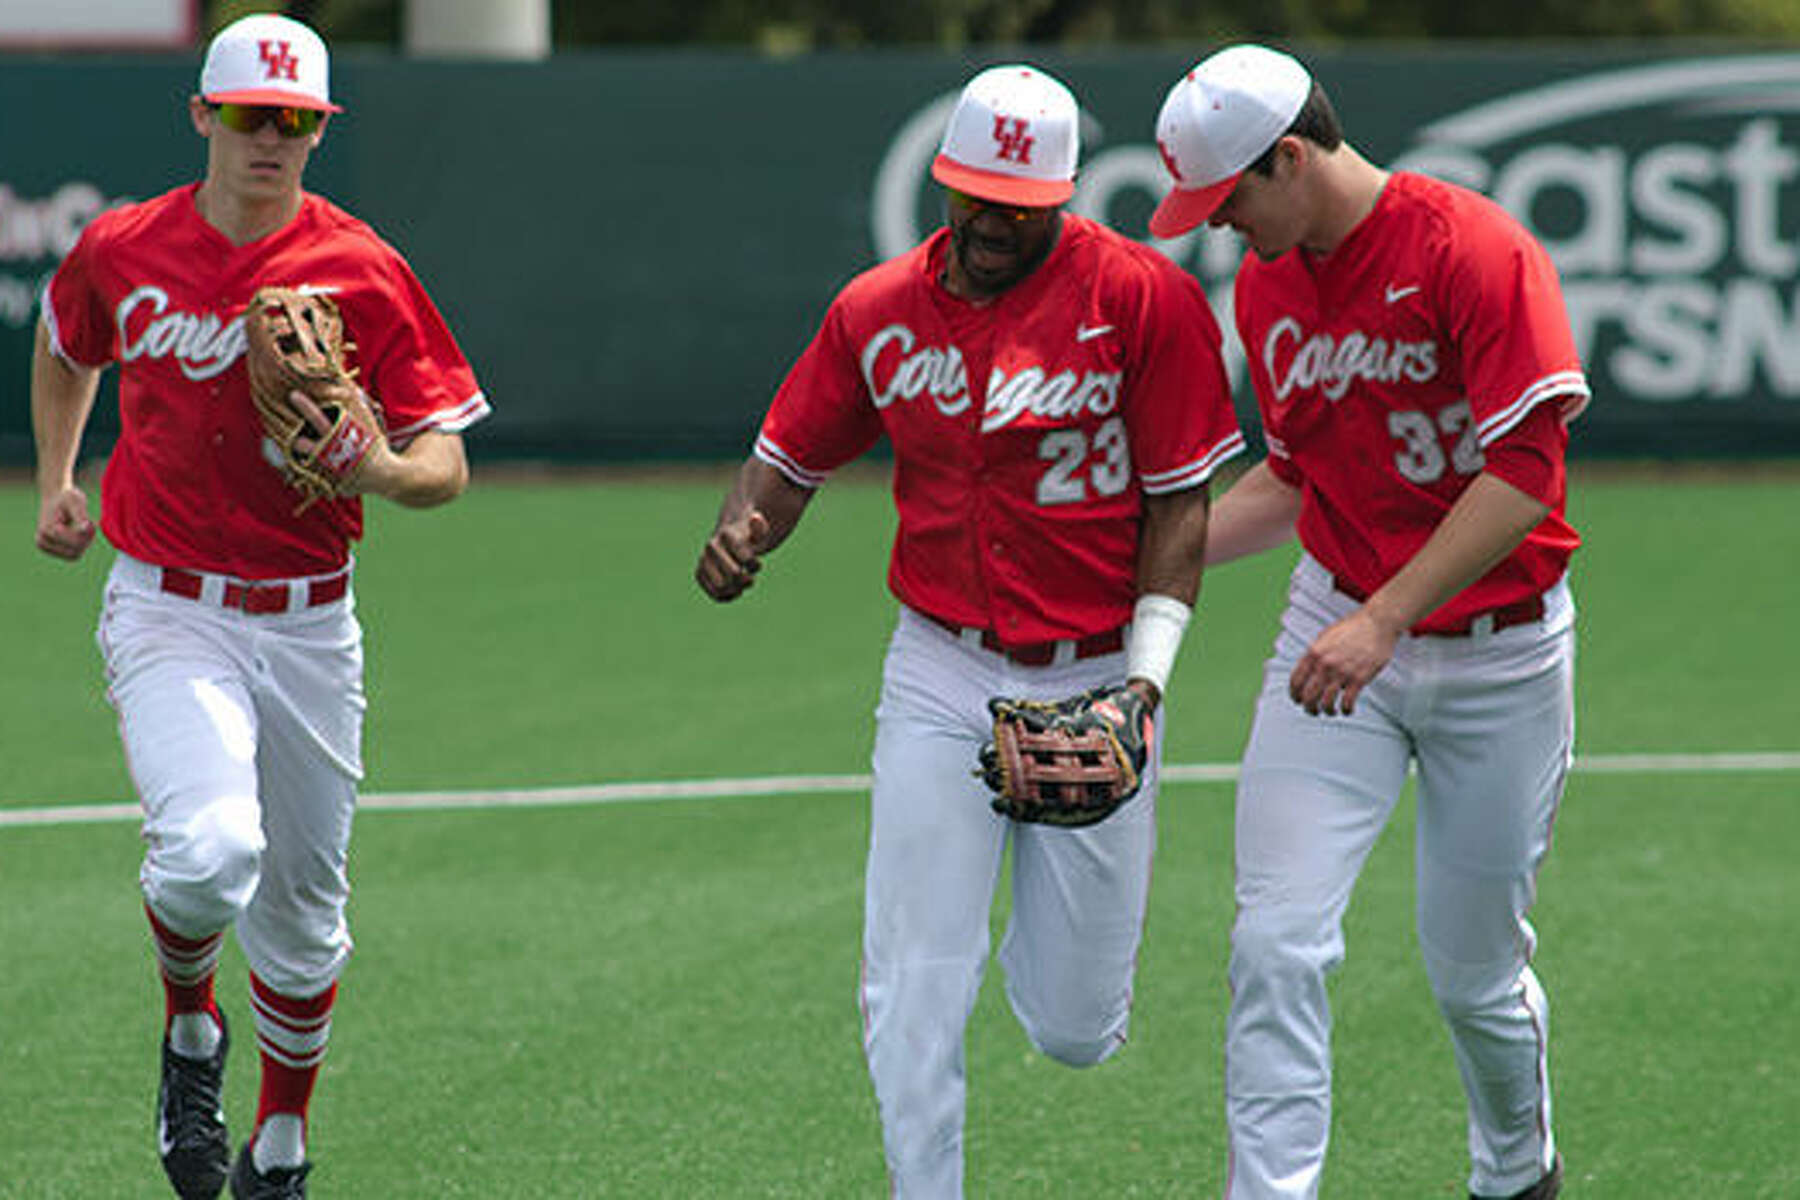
787 785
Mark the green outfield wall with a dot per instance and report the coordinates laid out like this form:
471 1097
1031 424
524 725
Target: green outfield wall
633 246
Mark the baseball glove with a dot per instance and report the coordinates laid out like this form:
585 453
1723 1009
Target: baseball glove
296 343
1072 762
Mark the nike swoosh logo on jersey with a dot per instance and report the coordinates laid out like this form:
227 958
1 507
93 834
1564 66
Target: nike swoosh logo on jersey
1395 294
1087 333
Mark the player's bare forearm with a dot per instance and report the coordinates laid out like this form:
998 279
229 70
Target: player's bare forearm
1255 514
1171 556
432 470
779 499
62 396
1487 522
1172 543
758 513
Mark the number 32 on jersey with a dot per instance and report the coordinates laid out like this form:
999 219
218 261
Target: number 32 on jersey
1430 444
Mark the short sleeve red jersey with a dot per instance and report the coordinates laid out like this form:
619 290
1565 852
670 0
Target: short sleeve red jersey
1389 371
1025 430
155 288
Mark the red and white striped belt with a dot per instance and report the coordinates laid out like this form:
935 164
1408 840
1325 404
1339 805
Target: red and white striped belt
1038 654
274 596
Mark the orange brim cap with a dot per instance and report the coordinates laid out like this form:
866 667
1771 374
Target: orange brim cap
1000 188
273 97
1188 208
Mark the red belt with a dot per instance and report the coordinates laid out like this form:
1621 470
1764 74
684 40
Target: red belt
1042 654
259 598
1519 612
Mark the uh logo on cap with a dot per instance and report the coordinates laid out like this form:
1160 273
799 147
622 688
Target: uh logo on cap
268 60
1012 135
279 59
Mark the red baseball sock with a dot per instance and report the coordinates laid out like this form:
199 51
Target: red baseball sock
188 966
291 1035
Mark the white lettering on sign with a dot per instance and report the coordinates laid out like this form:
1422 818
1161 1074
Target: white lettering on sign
31 230
1677 252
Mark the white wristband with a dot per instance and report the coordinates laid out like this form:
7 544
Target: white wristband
1157 625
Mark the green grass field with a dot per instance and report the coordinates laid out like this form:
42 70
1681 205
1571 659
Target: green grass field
658 999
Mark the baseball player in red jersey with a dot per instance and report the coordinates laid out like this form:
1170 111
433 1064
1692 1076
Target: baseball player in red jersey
1056 402
233 656
1416 374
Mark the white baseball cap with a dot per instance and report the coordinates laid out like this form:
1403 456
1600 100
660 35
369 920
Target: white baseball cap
267 59
1218 119
1013 139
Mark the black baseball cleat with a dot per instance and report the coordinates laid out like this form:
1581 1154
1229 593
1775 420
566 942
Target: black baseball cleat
280 1183
190 1121
1547 1188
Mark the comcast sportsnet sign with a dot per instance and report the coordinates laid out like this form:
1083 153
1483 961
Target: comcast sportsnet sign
1668 194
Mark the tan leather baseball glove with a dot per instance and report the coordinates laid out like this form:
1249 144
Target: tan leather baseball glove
297 344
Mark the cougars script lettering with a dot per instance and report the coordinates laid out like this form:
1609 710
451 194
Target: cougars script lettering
1330 364
895 367
202 344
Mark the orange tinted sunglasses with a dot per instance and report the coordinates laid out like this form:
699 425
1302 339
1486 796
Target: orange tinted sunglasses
1010 212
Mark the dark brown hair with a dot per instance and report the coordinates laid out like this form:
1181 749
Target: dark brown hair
1317 122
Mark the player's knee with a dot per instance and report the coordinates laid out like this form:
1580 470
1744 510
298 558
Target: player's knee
1077 1049
1083 1035
202 875
1283 948
1468 992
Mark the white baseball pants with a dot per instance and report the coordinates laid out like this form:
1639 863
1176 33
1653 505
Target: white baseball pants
1489 720
242 733
935 855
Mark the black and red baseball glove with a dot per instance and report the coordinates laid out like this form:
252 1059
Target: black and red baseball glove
1070 762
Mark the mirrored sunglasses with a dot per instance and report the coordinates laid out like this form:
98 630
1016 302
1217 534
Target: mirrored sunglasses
1010 212
289 122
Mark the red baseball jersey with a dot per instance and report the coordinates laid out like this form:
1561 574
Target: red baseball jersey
155 288
1388 370
1025 430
